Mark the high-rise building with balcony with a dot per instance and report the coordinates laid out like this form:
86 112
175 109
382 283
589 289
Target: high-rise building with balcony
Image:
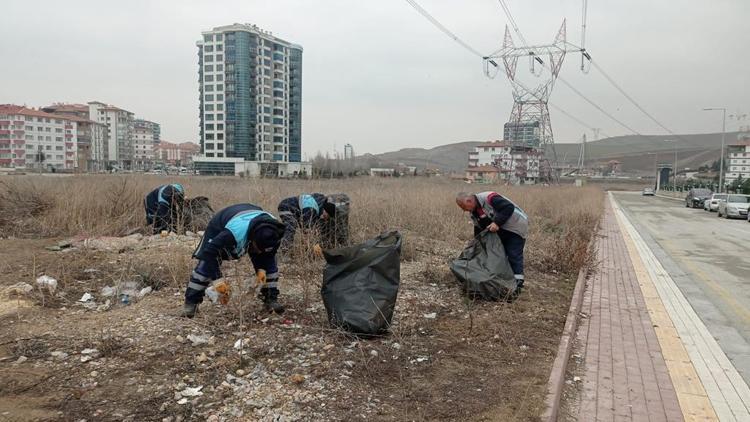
250 88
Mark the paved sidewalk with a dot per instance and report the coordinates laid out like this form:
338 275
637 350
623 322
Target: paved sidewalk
626 376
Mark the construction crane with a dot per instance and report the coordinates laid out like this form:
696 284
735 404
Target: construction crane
530 113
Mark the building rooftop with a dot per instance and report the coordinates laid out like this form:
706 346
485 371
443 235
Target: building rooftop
254 29
483 169
496 143
25 111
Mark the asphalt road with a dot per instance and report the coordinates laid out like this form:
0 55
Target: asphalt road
709 259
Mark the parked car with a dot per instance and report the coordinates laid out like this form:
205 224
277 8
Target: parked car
648 192
734 206
712 204
696 197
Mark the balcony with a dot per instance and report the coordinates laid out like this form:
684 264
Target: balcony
68 126
19 151
18 142
68 135
19 122
4 122
5 160
4 132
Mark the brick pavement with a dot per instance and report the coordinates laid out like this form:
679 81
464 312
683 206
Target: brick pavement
626 377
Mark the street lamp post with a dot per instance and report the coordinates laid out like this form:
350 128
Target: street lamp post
674 180
723 136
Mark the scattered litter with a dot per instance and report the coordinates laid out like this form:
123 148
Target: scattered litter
86 297
90 270
182 401
524 347
21 359
396 346
349 363
212 294
198 339
241 343
47 282
89 351
201 358
576 379
431 315
19 289
144 291
191 391
108 291
373 352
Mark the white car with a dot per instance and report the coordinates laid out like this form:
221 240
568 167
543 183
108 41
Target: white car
734 206
712 204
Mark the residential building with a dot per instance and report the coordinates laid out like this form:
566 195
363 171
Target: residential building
175 154
738 160
145 136
32 138
382 172
348 152
250 95
515 163
92 136
119 124
483 174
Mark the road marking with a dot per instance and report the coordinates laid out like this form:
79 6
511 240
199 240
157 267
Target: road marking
727 391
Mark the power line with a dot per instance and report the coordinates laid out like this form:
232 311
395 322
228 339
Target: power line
454 37
445 30
512 22
635 103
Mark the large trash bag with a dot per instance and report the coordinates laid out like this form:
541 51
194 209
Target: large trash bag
360 284
335 231
197 212
483 269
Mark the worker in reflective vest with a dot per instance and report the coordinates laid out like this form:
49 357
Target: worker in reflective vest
233 232
164 207
304 212
497 214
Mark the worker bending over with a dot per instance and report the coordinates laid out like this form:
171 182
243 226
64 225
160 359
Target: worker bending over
306 211
232 232
164 206
497 214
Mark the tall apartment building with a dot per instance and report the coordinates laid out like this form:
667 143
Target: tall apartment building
250 87
738 159
119 124
145 136
92 136
32 138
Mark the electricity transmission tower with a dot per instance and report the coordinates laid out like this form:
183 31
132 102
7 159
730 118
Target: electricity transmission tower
530 113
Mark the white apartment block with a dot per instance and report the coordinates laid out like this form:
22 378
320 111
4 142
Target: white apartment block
738 160
119 124
34 139
514 164
145 135
250 98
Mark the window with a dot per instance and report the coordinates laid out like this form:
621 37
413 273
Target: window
209 116
29 137
219 146
59 148
219 77
58 121
220 136
210 126
48 147
219 57
209 154
40 138
220 107
209 146
209 68
29 146
29 119
220 154
208 58
208 48
219 67
59 157
208 78
220 126
220 116
48 129
209 136
58 138
46 120
209 97
219 87
219 97
48 138
278 121
209 107
40 129
208 88
58 130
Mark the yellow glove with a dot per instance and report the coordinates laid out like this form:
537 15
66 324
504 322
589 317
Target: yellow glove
318 250
260 277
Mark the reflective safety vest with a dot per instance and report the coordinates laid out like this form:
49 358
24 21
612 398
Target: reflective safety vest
239 226
518 222
308 201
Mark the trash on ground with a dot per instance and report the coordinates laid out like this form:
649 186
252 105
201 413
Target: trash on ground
47 282
86 297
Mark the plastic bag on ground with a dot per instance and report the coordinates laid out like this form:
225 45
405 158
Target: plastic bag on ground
360 284
483 269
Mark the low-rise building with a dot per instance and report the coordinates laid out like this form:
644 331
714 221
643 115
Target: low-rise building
382 172
515 163
176 154
92 136
31 138
738 160
484 174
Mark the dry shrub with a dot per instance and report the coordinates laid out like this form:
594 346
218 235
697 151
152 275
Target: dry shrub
563 218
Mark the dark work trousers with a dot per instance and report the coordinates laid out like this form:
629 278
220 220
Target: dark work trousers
514 245
204 273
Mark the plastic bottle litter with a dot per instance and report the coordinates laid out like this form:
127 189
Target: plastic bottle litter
125 298
212 294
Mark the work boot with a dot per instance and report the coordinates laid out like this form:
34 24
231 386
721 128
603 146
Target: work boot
189 310
270 300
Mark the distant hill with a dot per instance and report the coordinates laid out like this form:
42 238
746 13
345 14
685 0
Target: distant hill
633 151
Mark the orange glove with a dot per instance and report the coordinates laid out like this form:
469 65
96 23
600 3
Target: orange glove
318 251
260 277
224 291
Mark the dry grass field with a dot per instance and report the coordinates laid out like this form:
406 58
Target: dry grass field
468 361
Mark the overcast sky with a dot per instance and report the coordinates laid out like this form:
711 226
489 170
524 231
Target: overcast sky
377 74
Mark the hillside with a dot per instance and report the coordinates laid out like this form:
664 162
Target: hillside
635 152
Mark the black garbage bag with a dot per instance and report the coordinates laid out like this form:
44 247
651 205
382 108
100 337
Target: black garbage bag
197 212
483 269
360 284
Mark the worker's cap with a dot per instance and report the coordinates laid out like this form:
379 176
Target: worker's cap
267 238
330 208
179 187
